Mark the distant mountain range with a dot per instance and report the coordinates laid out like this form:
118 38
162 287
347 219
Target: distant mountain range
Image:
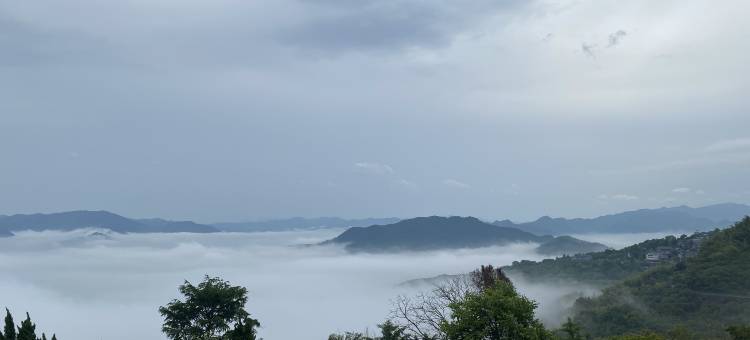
301 223
682 218
72 220
435 233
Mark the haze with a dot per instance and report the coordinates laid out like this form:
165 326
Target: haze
228 110
77 285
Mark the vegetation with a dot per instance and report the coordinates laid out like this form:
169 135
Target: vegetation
213 310
705 293
607 267
25 331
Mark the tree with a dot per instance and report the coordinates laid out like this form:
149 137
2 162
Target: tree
497 312
213 310
54 337
9 332
572 330
349 336
739 332
391 331
27 330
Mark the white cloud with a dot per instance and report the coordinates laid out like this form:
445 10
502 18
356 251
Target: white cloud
449 182
374 168
681 190
619 197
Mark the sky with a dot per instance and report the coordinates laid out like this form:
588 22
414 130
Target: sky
83 287
232 110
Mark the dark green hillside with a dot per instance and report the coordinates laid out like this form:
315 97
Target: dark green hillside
705 293
610 266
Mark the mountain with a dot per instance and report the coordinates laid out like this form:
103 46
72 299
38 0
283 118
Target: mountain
165 226
638 221
434 233
301 223
71 220
704 293
570 246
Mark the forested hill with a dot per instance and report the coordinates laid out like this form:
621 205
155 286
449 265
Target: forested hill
71 220
435 233
682 218
610 266
705 293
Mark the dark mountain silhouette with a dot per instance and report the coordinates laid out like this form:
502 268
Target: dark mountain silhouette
72 220
301 223
644 220
434 233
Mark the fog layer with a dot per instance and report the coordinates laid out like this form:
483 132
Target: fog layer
85 286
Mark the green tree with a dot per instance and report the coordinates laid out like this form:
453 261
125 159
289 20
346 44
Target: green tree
349 336
391 331
27 330
644 336
212 310
739 332
498 312
571 330
9 332
54 337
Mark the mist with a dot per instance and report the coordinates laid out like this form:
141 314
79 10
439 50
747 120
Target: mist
83 285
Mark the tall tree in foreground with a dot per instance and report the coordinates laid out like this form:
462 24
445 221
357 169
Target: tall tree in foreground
27 330
213 309
495 313
9 331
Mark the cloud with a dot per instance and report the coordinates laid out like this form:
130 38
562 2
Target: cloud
729 145
452 183
681 190
374 168
83 291
616 37
619 197
389 25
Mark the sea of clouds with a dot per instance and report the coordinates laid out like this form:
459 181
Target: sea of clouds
87 286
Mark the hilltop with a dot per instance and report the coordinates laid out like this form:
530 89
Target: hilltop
435 233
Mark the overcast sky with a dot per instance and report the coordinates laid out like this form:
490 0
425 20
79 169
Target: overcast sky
233 109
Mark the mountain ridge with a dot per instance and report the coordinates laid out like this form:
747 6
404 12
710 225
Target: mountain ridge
680 218
78 219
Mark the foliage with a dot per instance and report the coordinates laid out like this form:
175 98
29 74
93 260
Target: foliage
705 293
25 331
496 312
642 336
739 332
571 330
212 310
599 268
